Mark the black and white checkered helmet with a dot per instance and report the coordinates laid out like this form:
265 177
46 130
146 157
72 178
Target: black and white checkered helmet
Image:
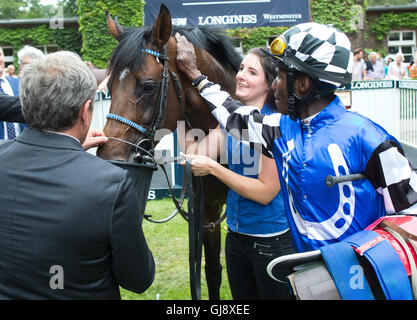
320 51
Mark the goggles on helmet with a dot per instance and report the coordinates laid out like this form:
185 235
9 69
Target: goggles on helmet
278 46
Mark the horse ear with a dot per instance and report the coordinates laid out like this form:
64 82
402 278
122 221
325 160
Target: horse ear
162 27
114 28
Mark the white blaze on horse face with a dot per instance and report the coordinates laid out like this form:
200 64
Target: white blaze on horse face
340 220
124 73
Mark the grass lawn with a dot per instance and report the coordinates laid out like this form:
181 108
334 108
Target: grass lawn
169 245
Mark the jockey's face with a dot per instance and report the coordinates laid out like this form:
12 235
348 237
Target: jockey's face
280 91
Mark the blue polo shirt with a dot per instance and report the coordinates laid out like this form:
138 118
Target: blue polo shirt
244 215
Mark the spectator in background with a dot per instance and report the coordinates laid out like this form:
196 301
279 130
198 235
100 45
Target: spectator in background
413 69
374 67
413 60
397 70
388 61
359 66
10 71
8 86
28 55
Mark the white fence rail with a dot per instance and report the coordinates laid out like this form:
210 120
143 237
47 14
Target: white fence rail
391 104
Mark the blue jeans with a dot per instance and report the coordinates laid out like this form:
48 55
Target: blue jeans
246 260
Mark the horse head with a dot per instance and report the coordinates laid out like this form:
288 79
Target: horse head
149 93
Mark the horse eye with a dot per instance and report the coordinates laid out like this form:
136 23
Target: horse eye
148 88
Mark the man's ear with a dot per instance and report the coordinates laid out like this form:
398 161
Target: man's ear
85 112
303 85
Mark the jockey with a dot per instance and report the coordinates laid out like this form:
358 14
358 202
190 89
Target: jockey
314 136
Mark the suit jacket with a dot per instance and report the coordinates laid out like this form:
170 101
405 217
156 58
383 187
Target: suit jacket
11 109
14 83
69 216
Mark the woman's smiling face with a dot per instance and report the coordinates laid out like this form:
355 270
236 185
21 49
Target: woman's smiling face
251 85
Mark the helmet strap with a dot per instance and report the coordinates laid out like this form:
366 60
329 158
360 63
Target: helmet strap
294 101
292 112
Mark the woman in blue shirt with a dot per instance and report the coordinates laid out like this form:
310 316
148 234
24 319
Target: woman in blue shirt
257 225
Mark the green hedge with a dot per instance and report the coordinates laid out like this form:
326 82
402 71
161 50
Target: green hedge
336 12
340 13
254 37
389 21
66 39
97 43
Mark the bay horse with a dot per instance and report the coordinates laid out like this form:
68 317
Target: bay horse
137 66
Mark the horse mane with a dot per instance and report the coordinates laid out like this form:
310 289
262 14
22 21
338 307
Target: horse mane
127 53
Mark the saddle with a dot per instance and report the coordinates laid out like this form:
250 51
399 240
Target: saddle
376 263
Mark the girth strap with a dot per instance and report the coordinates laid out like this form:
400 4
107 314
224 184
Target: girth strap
387 265
343 266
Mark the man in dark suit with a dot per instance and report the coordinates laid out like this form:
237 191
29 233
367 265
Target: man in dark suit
11 109
8 86
70 223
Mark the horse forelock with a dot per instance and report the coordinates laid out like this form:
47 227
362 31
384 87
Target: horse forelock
127 53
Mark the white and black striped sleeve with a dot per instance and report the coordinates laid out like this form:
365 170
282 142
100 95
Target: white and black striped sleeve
243 122
392 176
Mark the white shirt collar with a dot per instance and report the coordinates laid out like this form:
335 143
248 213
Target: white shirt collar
308 119
5 85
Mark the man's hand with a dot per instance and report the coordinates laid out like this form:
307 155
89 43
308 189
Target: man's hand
186 59
94 139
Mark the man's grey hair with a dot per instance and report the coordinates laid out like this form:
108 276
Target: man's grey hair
28 51
53 90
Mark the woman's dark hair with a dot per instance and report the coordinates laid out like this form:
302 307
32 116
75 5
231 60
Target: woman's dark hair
268 63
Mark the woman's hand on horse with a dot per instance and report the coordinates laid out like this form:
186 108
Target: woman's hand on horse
94 138
200 165
186 58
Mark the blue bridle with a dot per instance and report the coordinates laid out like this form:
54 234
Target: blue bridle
128 122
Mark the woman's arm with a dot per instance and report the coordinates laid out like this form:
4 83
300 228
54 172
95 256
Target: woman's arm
261 190
211 146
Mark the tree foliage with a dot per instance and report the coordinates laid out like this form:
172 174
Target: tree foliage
65 39
30 9
97 43
343 14
389 21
